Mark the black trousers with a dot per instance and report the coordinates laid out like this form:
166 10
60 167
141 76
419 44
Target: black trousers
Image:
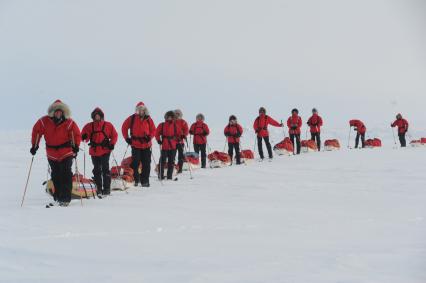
201 148
362 136
62 179
231 148
102 173
260 146
296 137
141 156
168 156
317 137
402 139
181 157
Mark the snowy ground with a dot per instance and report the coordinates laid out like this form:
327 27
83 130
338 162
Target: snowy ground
354 216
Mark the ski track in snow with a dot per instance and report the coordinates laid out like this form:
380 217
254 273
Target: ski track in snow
353 216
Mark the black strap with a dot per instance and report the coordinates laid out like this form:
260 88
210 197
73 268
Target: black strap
64 145
105 141
132 122
258 124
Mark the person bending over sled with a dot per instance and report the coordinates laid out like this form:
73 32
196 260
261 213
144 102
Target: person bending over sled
233 132
260 127
183 125
315 124
102 137
360 129
168 135
402 125
294 124
63 138
200 131
142 130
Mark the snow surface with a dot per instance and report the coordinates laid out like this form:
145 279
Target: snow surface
353 216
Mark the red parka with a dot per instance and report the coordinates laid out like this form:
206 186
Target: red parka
261 124
183 125
294 121
402 125
59 137
200 131
142 130
169 134
358 125
315 123
100 134
233 133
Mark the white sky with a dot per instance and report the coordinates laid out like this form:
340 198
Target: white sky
360 58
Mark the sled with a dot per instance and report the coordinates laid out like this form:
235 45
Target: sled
331 145
373 143
285 147
121 178
309 146
418 143
83 188
191 161
219 159
246 156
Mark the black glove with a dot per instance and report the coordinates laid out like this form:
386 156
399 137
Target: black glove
160 142
75 149
33 150
111 146
293 127
281 125
129 141
227 135
84 136
147 139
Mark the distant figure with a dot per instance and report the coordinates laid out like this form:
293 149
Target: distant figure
260 126
360 129
233 132
63 138
168 137
142 130
294 124
315 123
200 131
183 125
402 125
102 138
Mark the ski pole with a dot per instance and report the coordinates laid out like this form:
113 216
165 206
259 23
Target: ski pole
394 139
29 174
255 144
84 161
125 153
156 165
119 172
224 146
189 165
283 128
76 170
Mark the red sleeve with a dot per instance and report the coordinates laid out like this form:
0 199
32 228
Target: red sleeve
226 131
114 135
289 122
299 122
185 130
406 124
152 129
309 120
240 129
206 129
87 130
158 132
272 122
320 123
38 132
76 133
125 128
191 130
394 123
255 124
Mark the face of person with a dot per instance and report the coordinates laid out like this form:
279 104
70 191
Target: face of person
58 114
97 117
169 119
233 122
140 112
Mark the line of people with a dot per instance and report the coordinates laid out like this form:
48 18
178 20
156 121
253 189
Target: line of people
63 138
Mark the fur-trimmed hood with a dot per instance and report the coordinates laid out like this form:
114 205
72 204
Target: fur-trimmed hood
99 111
59 105
200 116
142 106
179 114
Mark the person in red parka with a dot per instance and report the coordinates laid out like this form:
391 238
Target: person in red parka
102 138
315 123
360 129
183 125
402 125
142 130
260 127
233 132
63 138
200 131
294 124
168 137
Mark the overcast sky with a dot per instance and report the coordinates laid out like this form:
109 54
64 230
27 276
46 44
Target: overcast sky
360 58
